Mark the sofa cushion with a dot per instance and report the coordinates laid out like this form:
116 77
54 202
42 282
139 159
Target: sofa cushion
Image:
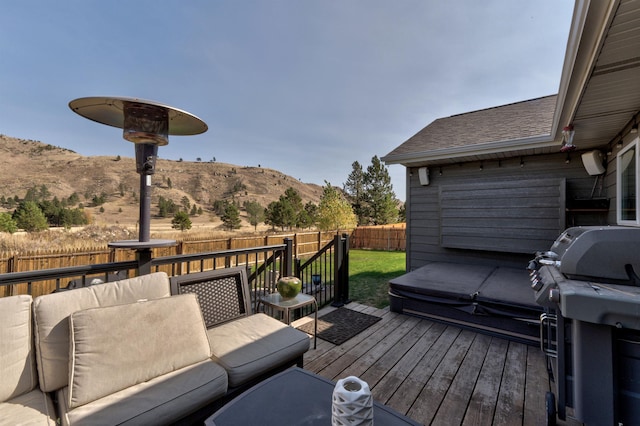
51 315
17 362
115 347
249 346
159 401
31 408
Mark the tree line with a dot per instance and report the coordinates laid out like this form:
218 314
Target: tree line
367 198
37 211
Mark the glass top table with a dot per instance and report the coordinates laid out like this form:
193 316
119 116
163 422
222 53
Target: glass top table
293 397
275 301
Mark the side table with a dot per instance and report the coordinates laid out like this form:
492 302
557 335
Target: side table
275 301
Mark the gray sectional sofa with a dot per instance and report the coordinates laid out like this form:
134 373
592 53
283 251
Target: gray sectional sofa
22 401
129 352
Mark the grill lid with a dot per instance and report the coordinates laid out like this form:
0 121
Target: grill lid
603 254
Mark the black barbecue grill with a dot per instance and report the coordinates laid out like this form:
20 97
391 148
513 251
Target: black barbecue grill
588 282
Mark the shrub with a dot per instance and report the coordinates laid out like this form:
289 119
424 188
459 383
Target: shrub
7 224
30 217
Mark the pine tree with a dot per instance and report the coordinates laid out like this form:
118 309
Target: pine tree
274 214
284 212
30 217
292 206
308 217
7 224
354 188
382 207
231 217
181 221
255 213
186 204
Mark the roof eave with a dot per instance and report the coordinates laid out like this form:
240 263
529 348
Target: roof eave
500 147
588 29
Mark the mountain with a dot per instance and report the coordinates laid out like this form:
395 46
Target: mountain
28 163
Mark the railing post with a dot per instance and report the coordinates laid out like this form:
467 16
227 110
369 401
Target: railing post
337 272
287 261
344 267
11 267
298 264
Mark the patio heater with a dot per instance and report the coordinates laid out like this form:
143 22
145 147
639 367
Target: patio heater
148 125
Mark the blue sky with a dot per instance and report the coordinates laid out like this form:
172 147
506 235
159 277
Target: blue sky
303 86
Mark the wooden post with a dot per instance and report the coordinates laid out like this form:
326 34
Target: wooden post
227 259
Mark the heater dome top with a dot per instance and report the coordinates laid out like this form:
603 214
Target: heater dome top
111 111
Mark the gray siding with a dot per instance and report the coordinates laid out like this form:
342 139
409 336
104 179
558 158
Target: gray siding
436 232
509 216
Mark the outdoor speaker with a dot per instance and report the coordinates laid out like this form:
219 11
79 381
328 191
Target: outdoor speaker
423 174
592 162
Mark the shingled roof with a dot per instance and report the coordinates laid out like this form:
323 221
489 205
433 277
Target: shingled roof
473 132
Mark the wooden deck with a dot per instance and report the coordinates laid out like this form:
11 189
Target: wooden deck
439 374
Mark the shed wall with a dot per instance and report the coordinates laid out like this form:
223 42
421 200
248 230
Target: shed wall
425 210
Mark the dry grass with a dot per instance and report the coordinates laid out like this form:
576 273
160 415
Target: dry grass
62 239
98 236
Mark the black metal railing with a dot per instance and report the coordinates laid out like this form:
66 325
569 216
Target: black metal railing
68 277
325 274
264 264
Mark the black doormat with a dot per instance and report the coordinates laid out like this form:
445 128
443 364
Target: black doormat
340 325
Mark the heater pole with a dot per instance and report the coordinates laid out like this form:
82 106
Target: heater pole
146 155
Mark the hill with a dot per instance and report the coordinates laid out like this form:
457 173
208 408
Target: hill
28 164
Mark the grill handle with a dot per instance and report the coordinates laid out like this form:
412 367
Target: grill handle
548 324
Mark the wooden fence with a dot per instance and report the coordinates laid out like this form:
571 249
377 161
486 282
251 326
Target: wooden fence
304 244
382 237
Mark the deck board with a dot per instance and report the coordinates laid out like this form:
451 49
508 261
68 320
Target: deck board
510 407
537 378
387 385
393 356
482 403
459 393
439 374
426 405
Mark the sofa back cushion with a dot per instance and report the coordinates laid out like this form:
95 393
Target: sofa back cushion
17 362
51 319
115 347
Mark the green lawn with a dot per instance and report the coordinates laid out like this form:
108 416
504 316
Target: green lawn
369 274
